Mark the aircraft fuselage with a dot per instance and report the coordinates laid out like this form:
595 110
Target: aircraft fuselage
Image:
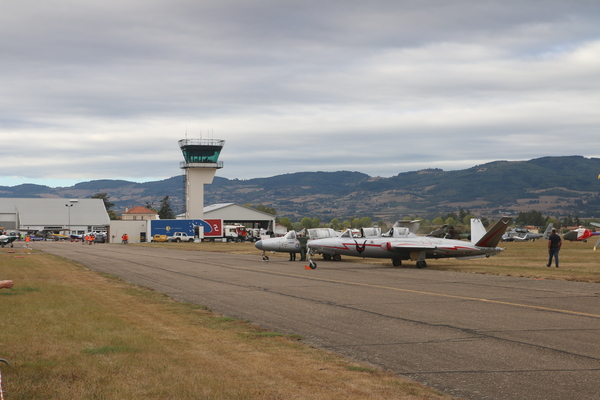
401 248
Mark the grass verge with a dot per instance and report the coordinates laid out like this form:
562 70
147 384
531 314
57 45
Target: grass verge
71 333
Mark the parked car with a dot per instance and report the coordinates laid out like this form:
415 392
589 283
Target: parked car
159 238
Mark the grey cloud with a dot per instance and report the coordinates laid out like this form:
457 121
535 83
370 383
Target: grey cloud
400 84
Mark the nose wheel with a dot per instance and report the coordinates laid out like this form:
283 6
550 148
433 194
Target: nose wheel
311 263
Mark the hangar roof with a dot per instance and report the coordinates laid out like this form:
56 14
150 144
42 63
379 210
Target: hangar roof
55 212
235 212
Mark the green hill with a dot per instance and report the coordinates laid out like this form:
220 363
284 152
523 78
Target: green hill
556 186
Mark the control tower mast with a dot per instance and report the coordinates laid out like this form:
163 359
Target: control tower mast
200 165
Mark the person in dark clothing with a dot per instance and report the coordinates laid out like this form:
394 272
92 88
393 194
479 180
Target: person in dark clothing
554 243
303 239
451 233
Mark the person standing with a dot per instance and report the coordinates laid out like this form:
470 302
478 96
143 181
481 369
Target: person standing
303 239
554 243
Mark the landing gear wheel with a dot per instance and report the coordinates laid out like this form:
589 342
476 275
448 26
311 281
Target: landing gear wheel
327 257
396 262
312 264
337 257
421 264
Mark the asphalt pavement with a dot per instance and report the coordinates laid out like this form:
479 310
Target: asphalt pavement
468 335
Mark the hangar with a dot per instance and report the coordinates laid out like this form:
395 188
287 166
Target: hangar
56 214
232 213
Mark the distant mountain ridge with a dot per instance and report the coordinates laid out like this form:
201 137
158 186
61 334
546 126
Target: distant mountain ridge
554 185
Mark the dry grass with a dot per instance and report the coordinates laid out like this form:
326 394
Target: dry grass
71 333
525 259
578 262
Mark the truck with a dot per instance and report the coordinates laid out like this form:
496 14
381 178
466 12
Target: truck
235 233
195 229
180 237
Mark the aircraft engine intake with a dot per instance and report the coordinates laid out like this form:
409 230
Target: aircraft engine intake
387 246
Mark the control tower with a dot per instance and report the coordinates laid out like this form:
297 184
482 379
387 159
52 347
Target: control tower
200 165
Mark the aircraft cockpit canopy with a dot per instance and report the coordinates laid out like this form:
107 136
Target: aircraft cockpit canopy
347 233
368 232
319 233
398 231
291 235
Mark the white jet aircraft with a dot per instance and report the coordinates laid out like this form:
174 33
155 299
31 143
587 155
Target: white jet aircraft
290 243
401 244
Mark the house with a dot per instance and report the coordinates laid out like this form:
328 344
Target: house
139 214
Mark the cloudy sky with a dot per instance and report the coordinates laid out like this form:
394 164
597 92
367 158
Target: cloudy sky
105 89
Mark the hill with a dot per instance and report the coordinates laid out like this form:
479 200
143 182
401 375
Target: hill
556 186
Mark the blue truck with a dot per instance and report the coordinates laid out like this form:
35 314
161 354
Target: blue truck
192 228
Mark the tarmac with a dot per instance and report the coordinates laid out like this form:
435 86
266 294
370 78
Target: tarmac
468 335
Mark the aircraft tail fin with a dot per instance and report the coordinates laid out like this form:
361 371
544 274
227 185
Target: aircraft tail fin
477 230
492 237
547 231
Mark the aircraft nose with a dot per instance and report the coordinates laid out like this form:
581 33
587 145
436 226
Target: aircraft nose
259 245
570 235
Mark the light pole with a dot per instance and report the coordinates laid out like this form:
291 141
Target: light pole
69 208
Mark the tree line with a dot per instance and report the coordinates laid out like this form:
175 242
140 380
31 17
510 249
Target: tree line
460 220
164 212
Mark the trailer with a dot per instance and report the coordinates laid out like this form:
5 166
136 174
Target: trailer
198 229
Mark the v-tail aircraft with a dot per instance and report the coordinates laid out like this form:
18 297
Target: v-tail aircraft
401 244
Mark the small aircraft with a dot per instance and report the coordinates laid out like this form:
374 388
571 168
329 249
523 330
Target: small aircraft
519 234
7 239
583 234
400 244
290 243
46 234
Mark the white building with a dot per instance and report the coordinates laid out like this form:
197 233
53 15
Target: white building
56 215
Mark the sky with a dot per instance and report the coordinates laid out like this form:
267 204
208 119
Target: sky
106 89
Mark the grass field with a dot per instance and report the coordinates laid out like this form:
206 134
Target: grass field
71 333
